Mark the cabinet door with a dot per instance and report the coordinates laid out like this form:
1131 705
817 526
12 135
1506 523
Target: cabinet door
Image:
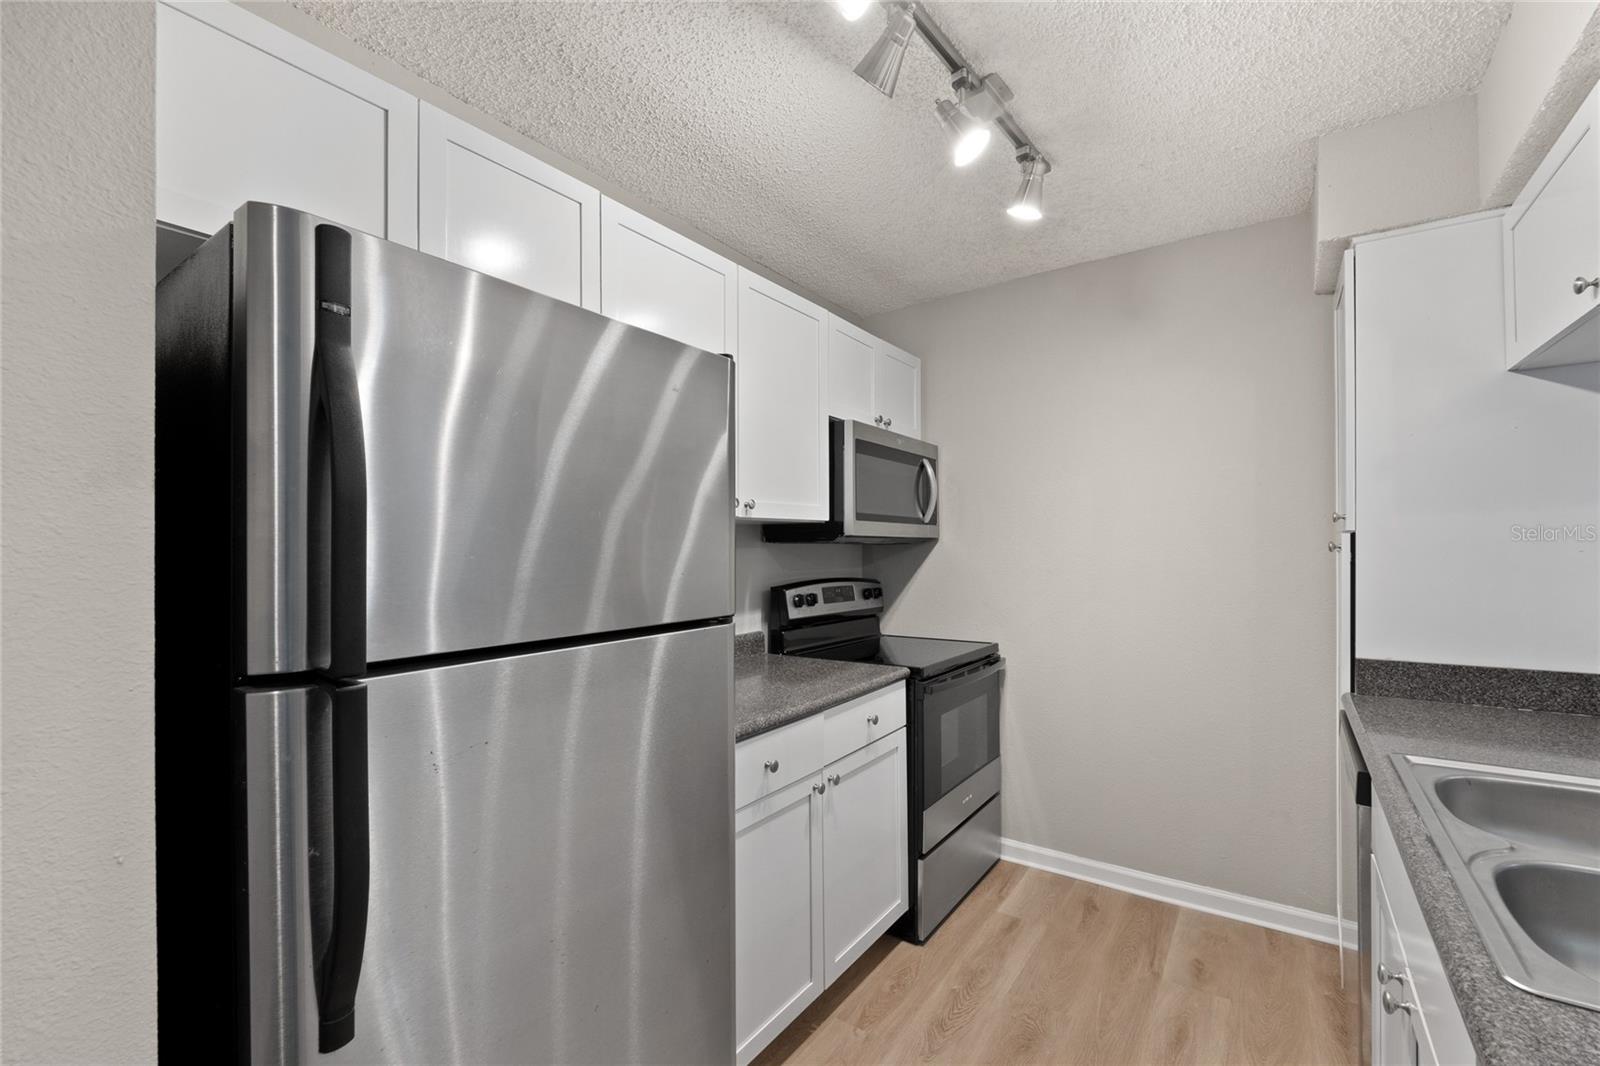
782 446
1552 237
657 279
777 895
865 851
852 355
897 389
1344 396
246 110
1394 1039
494 208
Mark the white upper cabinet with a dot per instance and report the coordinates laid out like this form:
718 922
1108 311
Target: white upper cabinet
494 208
248 111
870 380
1344 396
658 279
782 442
1552 253
852 355
897 388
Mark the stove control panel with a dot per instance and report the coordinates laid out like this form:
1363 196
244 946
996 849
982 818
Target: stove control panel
821 599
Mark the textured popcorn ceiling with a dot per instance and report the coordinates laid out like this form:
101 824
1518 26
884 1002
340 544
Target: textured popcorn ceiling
1164 121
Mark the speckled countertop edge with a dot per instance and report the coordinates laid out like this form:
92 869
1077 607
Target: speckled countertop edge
773 690
1507 1025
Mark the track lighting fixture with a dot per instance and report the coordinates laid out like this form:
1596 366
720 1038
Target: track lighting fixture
1028 204
968 136
978 109
881 66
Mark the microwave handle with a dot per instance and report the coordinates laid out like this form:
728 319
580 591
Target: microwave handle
926 467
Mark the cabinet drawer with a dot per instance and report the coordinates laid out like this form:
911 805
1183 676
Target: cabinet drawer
795 749
864 719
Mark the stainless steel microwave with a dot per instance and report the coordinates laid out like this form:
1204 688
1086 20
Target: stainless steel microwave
883 488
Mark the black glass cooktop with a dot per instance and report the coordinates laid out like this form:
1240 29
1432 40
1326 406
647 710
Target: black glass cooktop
923 656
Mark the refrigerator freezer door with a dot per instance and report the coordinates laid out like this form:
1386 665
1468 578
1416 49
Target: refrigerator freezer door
533 471
550 860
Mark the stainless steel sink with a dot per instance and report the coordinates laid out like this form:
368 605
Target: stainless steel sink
1524 847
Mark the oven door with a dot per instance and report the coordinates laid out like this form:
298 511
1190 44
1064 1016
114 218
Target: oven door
890 484
959 723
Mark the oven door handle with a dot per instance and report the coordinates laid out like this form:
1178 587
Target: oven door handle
973 677
926 467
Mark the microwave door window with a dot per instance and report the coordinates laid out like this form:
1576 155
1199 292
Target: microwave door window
887 485
967 740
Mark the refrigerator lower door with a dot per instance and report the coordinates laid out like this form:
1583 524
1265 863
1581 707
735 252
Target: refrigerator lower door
530 471
551 870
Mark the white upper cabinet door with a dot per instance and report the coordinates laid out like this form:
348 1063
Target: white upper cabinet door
1344 396
489 206
248 111
657 279
864 849
897 390
782 444
777 860
852 353
1552 252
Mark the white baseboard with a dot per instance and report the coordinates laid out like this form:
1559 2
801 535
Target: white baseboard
1286 919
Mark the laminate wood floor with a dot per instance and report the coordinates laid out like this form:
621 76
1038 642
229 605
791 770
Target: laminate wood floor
1039 968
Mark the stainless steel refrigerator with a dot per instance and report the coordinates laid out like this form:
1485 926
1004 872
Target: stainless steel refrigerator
444 666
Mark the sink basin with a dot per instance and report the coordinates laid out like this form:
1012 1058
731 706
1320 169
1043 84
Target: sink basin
1524 848
1558 907
1537 813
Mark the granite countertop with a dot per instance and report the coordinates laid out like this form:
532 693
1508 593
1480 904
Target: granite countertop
774 690
1507 1025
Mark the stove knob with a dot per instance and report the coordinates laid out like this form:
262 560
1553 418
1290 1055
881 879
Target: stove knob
811 599
798 600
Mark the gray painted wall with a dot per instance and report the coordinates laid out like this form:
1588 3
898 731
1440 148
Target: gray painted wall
77 945
1137 468
757 566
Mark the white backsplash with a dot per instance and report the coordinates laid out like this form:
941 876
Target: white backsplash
757 566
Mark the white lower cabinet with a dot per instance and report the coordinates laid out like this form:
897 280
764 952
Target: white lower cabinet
778 889
1414 1015
864 853
820 866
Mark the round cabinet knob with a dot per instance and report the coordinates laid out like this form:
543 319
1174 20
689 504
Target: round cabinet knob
1392 1005
819 789
1385 975
877 419
772 766
1333 546
1580 284
749 505
833 779
872 719
1337 517
887 422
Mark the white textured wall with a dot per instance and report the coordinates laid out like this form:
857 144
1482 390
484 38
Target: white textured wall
1137 472
78 958
1546 59
1407 168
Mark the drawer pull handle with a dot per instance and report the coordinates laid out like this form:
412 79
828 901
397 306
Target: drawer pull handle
1391 1005
819 789
872 719
1385 975
772 766
833 779
1580 284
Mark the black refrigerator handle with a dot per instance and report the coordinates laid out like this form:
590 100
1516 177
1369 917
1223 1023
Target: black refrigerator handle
339 970
339 437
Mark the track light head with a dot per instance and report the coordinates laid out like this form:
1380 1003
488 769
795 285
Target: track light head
1028 204
852 9
968 136
880 68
